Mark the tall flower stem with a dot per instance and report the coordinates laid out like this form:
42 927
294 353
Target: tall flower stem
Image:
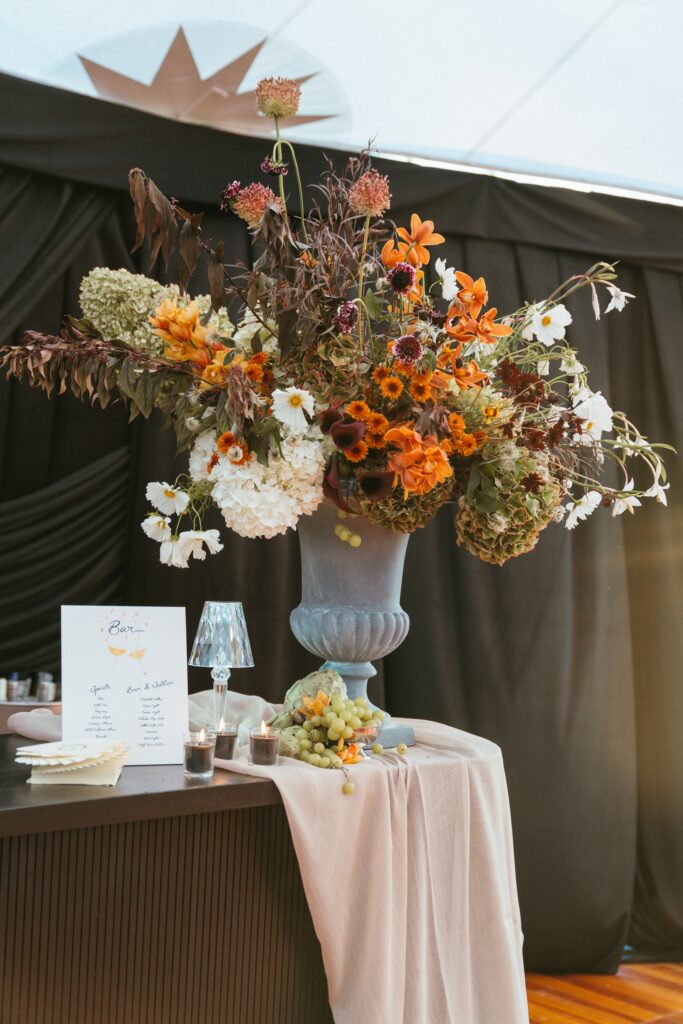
366 232
277 154
290 147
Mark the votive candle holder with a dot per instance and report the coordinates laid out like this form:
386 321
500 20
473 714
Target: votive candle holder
199 750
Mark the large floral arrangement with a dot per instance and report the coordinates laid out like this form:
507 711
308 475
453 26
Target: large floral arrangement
348 370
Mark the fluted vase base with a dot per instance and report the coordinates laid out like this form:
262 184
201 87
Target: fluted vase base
356 675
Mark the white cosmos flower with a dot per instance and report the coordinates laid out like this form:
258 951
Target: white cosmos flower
446 275
626 504
618 298
581 509
631 445
156 527
167 499
289 405
192 543
570 363
594 410
549 325
173 552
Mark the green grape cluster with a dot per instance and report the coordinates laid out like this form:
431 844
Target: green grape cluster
325 740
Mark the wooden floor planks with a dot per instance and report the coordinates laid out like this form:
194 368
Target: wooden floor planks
638 994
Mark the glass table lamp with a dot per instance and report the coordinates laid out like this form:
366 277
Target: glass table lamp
221 643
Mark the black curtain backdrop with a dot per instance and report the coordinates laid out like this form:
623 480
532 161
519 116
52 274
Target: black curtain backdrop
568 658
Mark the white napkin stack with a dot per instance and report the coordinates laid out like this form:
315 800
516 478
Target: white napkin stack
74 763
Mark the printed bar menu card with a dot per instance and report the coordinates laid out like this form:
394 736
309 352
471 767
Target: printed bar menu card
124 679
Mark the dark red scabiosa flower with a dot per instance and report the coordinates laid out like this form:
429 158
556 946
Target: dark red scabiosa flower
402 277
532 482
346 435
277 168
329 418
407 349
377 484
607 499
347 317
228 194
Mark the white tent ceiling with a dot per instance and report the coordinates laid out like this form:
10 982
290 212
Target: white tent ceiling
585 90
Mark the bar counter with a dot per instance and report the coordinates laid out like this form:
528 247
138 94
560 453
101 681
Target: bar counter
155 901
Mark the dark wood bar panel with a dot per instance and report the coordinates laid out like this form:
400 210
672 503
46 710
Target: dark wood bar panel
184 918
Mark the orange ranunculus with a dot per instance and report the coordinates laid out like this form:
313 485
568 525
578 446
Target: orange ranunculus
466 375
420 464
180 328
473 294
315 705
421 235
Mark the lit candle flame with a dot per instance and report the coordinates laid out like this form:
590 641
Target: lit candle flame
221 725
201 737
265 729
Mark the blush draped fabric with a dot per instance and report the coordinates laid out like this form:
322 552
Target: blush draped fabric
568 659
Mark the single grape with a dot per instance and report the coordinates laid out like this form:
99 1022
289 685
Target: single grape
343 533
301 734
314 759
305 744
360 702
324 762
317 720
355 541
348 732
348 788
333 735
316 735
319 748
307 725
379 714
366 714
338 724
355 722
330 717
377 748
401 749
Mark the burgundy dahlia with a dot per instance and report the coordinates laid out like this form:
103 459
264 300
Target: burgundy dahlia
401 277
228 194
347 317
407 349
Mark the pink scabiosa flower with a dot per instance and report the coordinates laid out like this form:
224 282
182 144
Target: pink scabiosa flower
278 97
407 349
347 316
402 277
370 195
228 194
251 203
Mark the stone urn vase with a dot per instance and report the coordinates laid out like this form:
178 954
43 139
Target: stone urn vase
350 611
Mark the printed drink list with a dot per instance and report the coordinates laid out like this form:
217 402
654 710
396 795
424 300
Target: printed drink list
124 678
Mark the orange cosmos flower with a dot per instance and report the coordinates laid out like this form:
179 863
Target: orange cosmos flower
420 392
391 387
357 452
466 445
420 464
377 423
358 410
473 294
421 235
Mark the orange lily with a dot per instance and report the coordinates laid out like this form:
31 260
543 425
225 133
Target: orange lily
466 375
421 235
473 295
466 328
391 256
315 705
350 754
420 464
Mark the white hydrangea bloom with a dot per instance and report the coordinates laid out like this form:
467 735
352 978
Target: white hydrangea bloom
249 327
264 500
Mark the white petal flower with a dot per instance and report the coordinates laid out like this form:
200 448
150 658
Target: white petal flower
543 368
594 410
191 543
532 311
548 326
625 504
582 508
570 363
289 405
157 527
446 275
172 552
167 499
619 299
657 491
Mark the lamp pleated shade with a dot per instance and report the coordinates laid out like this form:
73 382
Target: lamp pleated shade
222 638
